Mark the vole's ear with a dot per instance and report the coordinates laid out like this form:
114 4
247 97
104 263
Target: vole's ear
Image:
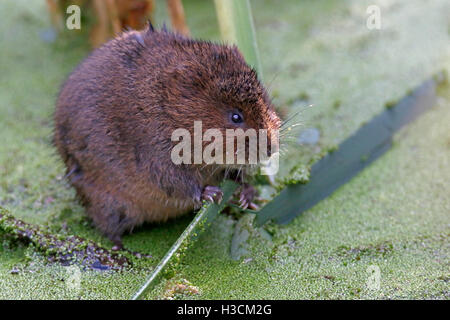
150 28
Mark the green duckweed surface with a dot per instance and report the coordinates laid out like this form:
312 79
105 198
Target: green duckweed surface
393 217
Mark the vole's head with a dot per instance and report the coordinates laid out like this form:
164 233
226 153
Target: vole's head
214 85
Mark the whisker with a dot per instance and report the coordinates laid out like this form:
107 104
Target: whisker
300 123
294 115
214 171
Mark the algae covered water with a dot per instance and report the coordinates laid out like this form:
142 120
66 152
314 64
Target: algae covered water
392 218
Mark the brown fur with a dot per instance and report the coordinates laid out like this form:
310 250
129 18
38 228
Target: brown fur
116 112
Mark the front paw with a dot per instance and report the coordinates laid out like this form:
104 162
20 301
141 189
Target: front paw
212 194
246 197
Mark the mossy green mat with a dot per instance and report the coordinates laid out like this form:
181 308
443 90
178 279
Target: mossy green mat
394 215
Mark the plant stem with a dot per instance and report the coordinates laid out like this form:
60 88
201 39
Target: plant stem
205 216
237 27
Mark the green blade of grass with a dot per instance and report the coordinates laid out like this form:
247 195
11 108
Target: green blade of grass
201 220
237 27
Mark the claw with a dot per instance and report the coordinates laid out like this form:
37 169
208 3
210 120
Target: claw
212 194
246 196
253 206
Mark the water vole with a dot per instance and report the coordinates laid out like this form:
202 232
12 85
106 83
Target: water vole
116 113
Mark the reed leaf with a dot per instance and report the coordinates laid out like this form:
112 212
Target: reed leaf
200 222
237 27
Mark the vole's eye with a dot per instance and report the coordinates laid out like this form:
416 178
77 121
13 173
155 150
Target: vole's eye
236 117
